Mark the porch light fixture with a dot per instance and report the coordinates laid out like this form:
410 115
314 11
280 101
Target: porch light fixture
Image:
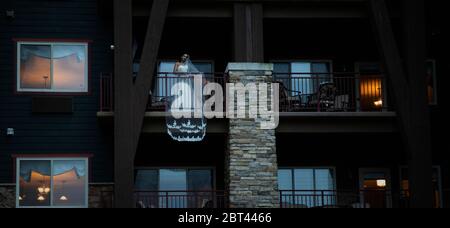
378 103
63 197
10 132
381 183
10 14
44 190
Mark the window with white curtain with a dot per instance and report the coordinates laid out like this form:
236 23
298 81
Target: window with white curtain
52 182
52 67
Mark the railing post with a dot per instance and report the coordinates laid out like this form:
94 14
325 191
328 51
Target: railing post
323 198
281 199
167 199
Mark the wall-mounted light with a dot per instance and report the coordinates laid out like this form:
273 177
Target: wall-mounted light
378 103
381 183
10 14
10 132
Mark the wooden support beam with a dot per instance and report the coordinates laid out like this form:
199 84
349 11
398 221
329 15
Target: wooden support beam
420 158
248 32
409 105
123 143
131 98
147 67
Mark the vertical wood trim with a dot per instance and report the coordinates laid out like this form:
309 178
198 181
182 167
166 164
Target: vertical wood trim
420 159
248 32
123 115
414 125
239 50
258 32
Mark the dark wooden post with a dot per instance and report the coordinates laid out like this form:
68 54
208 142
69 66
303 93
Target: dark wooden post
124 145
420 158
409 97
148 62
248 32
131 98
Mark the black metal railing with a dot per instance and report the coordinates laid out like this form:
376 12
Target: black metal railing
164 82
331 92
180 199
342 199
299 92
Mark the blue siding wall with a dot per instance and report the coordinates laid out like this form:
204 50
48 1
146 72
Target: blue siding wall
77 133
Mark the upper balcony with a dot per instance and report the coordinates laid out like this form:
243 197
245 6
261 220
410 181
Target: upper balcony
337 102
299 92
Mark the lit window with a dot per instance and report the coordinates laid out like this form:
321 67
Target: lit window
52 182
52 67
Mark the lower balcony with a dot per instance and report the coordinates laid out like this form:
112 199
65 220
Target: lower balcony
343 199
288 199
181 199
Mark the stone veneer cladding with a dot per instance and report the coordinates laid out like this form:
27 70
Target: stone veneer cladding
252 172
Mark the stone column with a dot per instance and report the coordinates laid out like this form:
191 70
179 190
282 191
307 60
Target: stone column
251 159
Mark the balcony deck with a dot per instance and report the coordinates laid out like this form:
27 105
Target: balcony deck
309 103
288 199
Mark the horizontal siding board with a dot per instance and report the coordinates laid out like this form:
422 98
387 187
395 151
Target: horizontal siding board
74 133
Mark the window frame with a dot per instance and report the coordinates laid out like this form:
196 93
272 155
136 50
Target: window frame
184 168
203 61
292 169
52 42
155 90
310 61
52 160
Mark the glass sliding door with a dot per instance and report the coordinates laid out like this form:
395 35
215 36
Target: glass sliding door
174 188
173 183
307 187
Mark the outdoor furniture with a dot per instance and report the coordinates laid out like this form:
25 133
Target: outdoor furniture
290 100
325 98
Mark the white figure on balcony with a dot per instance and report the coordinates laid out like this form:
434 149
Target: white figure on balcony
193 128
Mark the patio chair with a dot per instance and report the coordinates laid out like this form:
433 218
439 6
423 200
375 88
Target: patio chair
325 98
290 100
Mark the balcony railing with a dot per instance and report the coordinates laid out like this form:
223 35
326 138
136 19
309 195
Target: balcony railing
342 199
299 92
331 92
180 199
